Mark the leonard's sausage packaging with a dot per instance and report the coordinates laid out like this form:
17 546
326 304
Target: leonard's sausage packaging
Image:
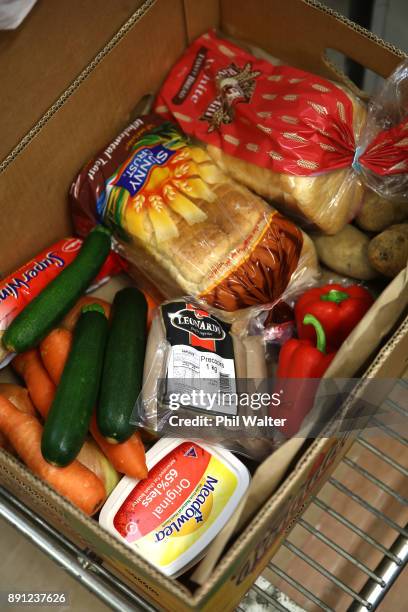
200 376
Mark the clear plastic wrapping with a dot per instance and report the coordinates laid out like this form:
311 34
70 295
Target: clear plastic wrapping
293 137
203 380
185 226
207 378
382 154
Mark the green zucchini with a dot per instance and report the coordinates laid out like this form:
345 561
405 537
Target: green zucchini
67 423
123 365
52 304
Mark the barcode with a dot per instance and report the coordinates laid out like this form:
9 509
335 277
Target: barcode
225 382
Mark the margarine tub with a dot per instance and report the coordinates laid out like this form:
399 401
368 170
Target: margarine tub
173 515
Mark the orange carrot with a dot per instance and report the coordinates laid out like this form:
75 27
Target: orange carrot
4 443
54 351
126 457
40 386
152 304
70 320
75 482
18 396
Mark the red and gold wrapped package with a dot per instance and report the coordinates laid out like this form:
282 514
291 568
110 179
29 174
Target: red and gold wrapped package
289 135
23 285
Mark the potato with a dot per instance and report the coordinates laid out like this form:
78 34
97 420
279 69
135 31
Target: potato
377 213
388 252
346 253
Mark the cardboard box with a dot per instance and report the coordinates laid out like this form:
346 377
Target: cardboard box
72 76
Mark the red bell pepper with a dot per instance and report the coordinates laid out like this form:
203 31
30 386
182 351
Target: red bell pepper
338 309
305 362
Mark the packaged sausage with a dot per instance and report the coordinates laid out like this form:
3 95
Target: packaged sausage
288 135
184 225
23 285
172 516
204 379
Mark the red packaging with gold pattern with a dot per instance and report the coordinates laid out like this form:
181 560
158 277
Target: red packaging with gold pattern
287 134
22 286
184 225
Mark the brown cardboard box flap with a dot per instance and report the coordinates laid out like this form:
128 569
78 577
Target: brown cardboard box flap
300 32
31 75
34 185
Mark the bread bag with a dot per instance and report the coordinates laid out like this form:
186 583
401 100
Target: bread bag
184 225
288 135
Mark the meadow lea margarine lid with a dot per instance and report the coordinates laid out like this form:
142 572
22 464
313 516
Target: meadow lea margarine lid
172 516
